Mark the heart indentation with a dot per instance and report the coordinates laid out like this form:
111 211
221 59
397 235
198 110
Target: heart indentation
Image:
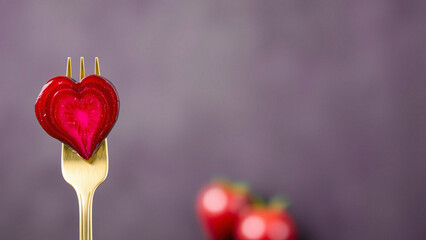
79 114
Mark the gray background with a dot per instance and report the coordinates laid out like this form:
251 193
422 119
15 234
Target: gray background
323 101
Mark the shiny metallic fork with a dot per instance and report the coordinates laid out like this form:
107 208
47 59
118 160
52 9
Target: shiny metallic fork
85 176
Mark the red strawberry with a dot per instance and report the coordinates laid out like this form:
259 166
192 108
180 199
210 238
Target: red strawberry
265 223
79 114
218 207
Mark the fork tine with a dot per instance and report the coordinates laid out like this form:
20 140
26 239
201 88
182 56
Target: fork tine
69 72
97 71
82 74
84 176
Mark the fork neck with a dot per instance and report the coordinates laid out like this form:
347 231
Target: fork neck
85 200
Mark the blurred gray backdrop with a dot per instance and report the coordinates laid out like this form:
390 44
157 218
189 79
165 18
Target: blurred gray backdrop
323 101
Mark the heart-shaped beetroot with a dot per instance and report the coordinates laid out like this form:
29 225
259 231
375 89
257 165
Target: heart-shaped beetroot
79 114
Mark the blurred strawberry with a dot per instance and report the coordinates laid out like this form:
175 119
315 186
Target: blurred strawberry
262 222
218 207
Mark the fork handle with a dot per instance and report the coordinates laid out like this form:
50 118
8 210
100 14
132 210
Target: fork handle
85 201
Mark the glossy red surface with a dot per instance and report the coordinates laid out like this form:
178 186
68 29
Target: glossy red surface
265 223
218 206
79 114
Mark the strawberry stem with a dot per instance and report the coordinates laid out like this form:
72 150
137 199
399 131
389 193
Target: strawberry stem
257 200
241 187
279 202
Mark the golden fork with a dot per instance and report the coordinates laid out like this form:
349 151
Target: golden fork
85 176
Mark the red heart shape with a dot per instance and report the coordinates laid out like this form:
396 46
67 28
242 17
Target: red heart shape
79 114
